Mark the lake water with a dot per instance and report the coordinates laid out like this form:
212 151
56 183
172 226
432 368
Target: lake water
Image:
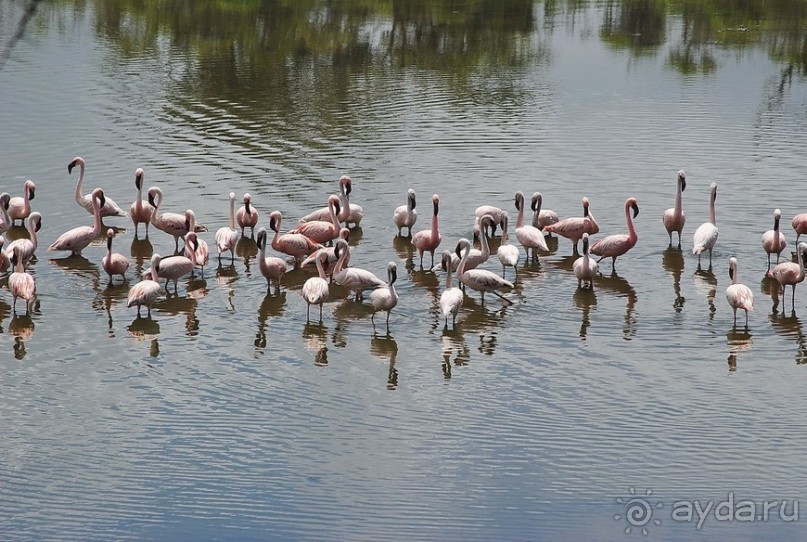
226 416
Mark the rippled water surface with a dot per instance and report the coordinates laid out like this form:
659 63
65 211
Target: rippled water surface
227 416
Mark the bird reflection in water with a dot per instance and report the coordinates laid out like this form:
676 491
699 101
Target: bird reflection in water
108 298
585 299
80 266
620 286
247 249
484 322
771 288
175 305
454 344
790 327
226 274
21 327
146 329
386 348
404 249
273 306
739 340
672 260
706 284
315 336
141 251
346 311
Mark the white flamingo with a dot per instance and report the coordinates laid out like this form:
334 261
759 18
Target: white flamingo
315 290
477 256
738 295
508 254
356 212
175 267
585 268
405 216
140 211
227 236
541 218
247 216
480 280
79 238
385 299
530 237
674 218
27 246
494 212
147 290
272 268
19 208
705 236
174 224
110 208
202 252
774 240
355 279
114 263
20 283
452 297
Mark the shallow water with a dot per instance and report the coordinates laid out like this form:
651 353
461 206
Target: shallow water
227 416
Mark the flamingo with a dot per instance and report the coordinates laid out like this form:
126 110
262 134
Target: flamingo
110 208
5 220
5 262
296 245
315 290
508 254
319 231
202 252
173 224
617 245
452 297
405 216
585 268
175 267
385 299
272 267
706 235
140 211
356 212
799 224
790 273
574 227
330 263
541 218
429 240
19 208
247 216
324 213
227 236
477 256
79 238
493 211
27 246
774 240
528 235
147 290
114 263
20 283
480 280
674 219
739 295
355 279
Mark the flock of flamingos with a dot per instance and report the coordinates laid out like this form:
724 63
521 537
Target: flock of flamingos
305 244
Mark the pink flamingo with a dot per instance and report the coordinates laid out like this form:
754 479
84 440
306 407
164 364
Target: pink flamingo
541 218
19 208
738 295
384 299
674 219
323 214
20 283
319 231
790 273
173 224
114 263
355 279
405 216
272 268
330 263
452 298
202 252
477 256
175 267
5 220
705 236
140 211
5 262
774 240
799 225
247 216
528 235
27 246
110 208
147 290
315 290
356 212
614 246
296 245
480 280
79 238
429 240
574 227
585 268
227 236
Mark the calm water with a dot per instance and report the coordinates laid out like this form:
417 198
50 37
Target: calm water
227 417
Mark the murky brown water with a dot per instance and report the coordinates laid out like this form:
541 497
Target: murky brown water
227 416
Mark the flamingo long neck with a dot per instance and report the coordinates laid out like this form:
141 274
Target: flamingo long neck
340 263
32 232
631 229
520 219
801 264
483 240
320 269
435 233
191 254
449 282
679 197
586 256
19 267
344 201
276 237
158 201
712 207
6 217
232 214
334 217
410 211
505 233
109 247
262 249
96 216
79 185
776 229
734 278
461 267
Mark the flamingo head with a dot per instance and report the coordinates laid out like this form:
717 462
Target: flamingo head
462 244
519 201
436 203
537 201
346 183
333 202
585 206
36 220
392 272
410 197
15 256
190 220
274 221
139 178
445 262
682 179
339 248
191 239
155 196
777 214
714 191
98 195
344 233
5 200
732 267
110 233
260 240
30 186
585 243
77 161
633 204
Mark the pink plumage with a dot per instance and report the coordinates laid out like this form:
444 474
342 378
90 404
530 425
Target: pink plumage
614 246
429 240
